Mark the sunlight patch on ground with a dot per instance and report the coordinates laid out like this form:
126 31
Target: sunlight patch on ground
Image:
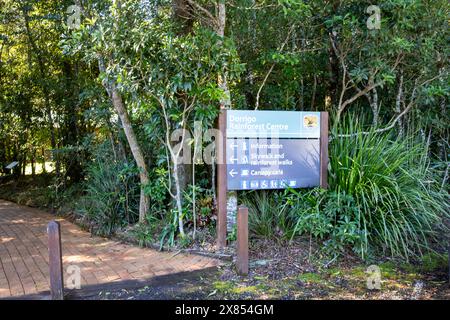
49 167
5 240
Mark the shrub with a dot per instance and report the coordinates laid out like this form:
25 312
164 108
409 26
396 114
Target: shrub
157 190
384 197
204 206
432 262
327 216
169 231
111 193
145 233
397 199
269 214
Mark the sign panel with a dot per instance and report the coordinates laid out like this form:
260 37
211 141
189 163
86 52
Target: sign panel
281 124
12 165
269 150
258 164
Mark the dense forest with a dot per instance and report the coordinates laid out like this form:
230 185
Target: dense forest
92 90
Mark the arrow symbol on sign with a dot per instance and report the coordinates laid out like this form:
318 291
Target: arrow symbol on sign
232 173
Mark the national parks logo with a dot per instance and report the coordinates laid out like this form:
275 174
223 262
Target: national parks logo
310 121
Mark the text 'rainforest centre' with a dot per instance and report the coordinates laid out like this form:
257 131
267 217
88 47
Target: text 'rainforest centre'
248 123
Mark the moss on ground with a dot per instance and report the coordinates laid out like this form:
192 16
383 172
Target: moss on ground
350 282
311 277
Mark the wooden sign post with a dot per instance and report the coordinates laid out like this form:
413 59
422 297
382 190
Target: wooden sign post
222 182
55 261
242 241
324 150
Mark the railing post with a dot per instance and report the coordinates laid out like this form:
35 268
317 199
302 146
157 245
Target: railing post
55 261
242 241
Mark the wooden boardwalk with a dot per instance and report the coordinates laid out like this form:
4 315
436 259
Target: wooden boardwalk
24 255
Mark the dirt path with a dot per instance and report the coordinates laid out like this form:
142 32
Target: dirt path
24 256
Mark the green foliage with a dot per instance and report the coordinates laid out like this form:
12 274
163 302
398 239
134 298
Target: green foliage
398 200
262 209
169 231
157 190
305 209
145 233
112 192
327 216
384 198
432 262
269 215
385 192
232 235
204 206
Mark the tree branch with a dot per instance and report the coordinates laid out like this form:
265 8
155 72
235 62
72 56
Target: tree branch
272 67
398 118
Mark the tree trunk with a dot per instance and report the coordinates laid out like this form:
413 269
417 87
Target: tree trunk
220 30
2 155
144 203
398 103
442 144
70 130
334 75
33 162
44 169
373 99
182 15
119 106
178 198
24 163
314 92
225 103
44 88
